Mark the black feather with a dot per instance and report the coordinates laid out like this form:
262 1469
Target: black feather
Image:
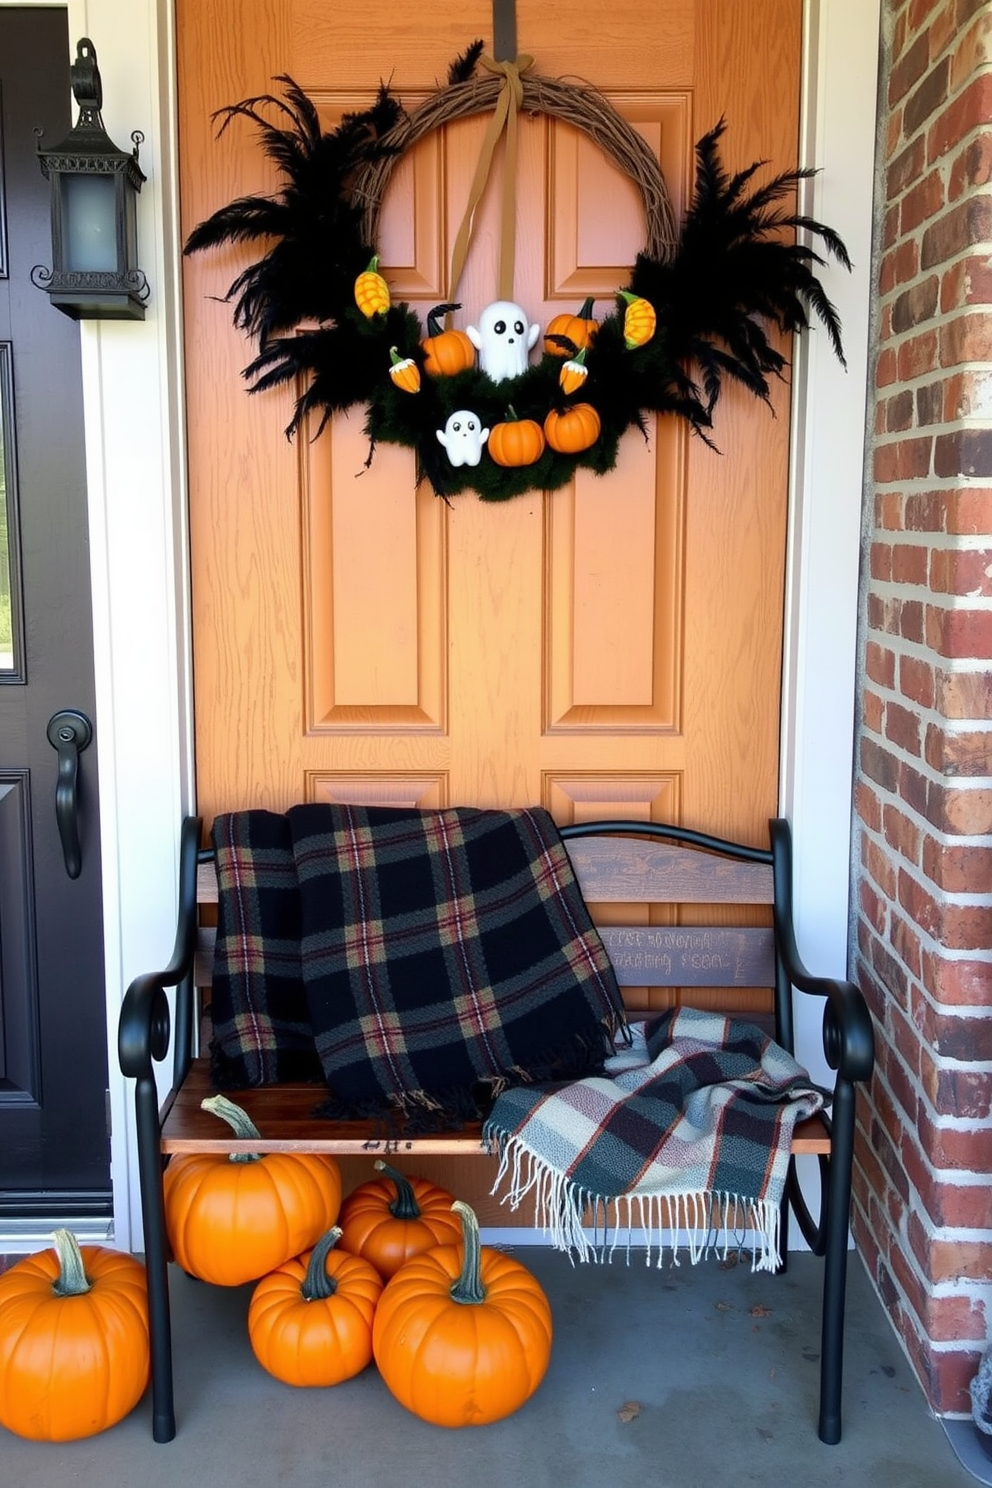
464 64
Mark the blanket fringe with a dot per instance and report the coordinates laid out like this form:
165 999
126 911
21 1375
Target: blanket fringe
704 1222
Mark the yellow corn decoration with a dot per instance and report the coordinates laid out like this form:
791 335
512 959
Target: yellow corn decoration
404 372
573 372
639 320
371 290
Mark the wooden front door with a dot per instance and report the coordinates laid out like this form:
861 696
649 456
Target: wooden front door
613 648
54 1147
610 649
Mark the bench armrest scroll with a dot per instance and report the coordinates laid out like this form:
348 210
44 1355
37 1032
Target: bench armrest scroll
144 1026
848 1036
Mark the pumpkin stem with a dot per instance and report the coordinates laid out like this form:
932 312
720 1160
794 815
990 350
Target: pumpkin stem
405 1205
240 1122
434 318
316 1286
468 1288
586 312
71 1280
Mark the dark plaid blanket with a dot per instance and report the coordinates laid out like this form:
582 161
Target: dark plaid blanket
441 956
692 1139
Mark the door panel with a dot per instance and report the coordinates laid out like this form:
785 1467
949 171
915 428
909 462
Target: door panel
613 646
54 1151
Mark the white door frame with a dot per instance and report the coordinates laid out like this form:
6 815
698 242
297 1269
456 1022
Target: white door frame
135 418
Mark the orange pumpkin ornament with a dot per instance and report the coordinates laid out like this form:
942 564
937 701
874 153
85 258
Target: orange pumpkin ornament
390 1219
573 373
404 372
462 1334
579 329
371 290
574 429
310 1320
74 1354
446 353
233 1218
516 441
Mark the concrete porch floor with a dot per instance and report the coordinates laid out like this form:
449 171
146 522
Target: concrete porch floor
722 1365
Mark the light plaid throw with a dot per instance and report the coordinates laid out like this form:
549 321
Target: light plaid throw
693 1140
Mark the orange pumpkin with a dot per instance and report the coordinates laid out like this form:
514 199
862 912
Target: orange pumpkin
310 1320
390 1219
573 373
574 429
516 441
579 329
446 353
74 1355
233 1218
462 1334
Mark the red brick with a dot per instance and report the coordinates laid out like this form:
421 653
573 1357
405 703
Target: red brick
901 833
909 69
918 303
969 511
910 563
879 867
966 338
871 712
873 906
963 695
965 452
906 168
957 982
916 681
966 571
925 511
889 972
967 394
917 357
919 904
958 811
972 167
902 728
966 1038
949 1376
906 944
896 415
962 227
957 868
880 560
956 754
930 404
867 806
911 620
960 633
928 97
962 1093
890 227
885 368
880 664
960 1206
952 1260
970 110
971 52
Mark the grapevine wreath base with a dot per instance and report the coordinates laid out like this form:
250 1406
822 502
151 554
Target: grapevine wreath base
701 303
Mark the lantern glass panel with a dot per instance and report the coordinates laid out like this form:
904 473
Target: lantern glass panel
89 223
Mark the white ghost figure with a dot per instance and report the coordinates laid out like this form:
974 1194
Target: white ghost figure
463 437
503 339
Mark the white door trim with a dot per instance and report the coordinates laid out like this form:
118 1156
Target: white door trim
132 376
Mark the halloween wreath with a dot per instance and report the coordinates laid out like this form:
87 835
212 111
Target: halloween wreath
700 304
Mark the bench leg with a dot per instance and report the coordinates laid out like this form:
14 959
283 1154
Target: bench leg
156 1258
838 1201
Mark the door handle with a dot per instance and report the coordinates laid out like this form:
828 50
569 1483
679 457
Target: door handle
69 732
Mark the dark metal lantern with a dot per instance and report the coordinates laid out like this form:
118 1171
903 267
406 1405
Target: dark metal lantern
94 274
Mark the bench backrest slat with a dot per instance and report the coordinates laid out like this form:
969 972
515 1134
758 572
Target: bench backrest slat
622 870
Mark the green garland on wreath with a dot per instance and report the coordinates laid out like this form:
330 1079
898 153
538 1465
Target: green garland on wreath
692 313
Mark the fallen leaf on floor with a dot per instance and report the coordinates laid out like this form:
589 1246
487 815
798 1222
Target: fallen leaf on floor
730 1262
758 1311
629 1411
724 1306
888 1371
772 1372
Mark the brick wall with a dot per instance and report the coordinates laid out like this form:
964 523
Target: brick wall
923 873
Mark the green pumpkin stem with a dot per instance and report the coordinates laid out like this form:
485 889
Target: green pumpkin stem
586 312
239 1121
405 1205
71 1280
468 1288
434 318
316 1286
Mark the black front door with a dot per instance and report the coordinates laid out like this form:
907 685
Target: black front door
54 1149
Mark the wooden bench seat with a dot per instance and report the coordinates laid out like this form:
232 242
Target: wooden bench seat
703 920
